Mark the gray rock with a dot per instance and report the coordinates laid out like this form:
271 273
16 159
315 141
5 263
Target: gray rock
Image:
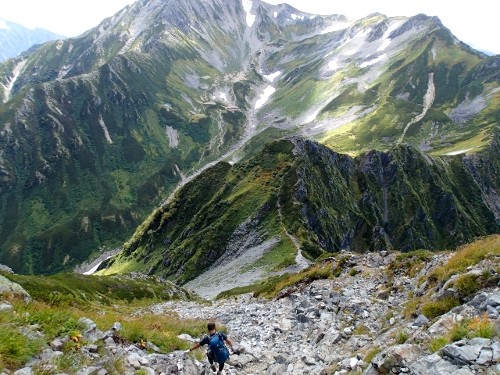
5 306
5 269
432 365
24 371
57 345
92 348
396 357
461 354
492 300
485 357
496 351
421 321
9 287
276 369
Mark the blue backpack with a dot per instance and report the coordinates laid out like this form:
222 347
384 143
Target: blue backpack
218 349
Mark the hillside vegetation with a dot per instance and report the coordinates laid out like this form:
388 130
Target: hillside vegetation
98 130
297 195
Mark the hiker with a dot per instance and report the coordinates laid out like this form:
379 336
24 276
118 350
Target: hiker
217 351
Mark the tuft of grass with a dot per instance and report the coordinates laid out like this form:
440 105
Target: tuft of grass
53 321
15 348
467 284
402 337
433 309
481 326
360 330
371 354
438 343
411 262
467 256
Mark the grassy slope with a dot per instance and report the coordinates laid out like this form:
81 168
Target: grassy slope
59 301
401 199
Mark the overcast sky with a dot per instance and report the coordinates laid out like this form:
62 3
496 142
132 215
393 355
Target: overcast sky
475 23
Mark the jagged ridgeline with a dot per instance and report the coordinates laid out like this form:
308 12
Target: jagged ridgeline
402 199
96 131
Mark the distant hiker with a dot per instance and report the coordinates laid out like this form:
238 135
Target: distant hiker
217 350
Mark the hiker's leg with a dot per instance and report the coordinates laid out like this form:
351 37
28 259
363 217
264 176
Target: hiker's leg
210 357
221 366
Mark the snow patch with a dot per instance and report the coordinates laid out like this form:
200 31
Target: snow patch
275 14
272 77
172 135
428 101
458 152
336 26
387 41
64 70
295 17
356 43
247 6
264 97
373 61
94 269
3 25
312 116
105 129
223 96
7 88
433 50
333 65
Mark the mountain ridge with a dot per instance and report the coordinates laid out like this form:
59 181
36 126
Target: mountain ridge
15 38
401 199
100 129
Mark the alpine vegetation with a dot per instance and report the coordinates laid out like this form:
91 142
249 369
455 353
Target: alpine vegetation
96 131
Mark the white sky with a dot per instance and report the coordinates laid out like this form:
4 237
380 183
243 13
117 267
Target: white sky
475 23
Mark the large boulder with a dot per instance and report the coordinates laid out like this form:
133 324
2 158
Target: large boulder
8 287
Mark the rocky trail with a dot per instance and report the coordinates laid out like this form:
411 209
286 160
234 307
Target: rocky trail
356 323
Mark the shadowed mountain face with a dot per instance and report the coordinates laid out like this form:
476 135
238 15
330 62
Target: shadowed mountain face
97 130
298 194
15 38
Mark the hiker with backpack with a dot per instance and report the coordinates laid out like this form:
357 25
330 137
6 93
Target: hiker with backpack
217 350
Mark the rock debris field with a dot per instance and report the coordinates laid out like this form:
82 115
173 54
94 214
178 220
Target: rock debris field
353 324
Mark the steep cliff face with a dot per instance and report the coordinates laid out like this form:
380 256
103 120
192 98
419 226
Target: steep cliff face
297 195
98 130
